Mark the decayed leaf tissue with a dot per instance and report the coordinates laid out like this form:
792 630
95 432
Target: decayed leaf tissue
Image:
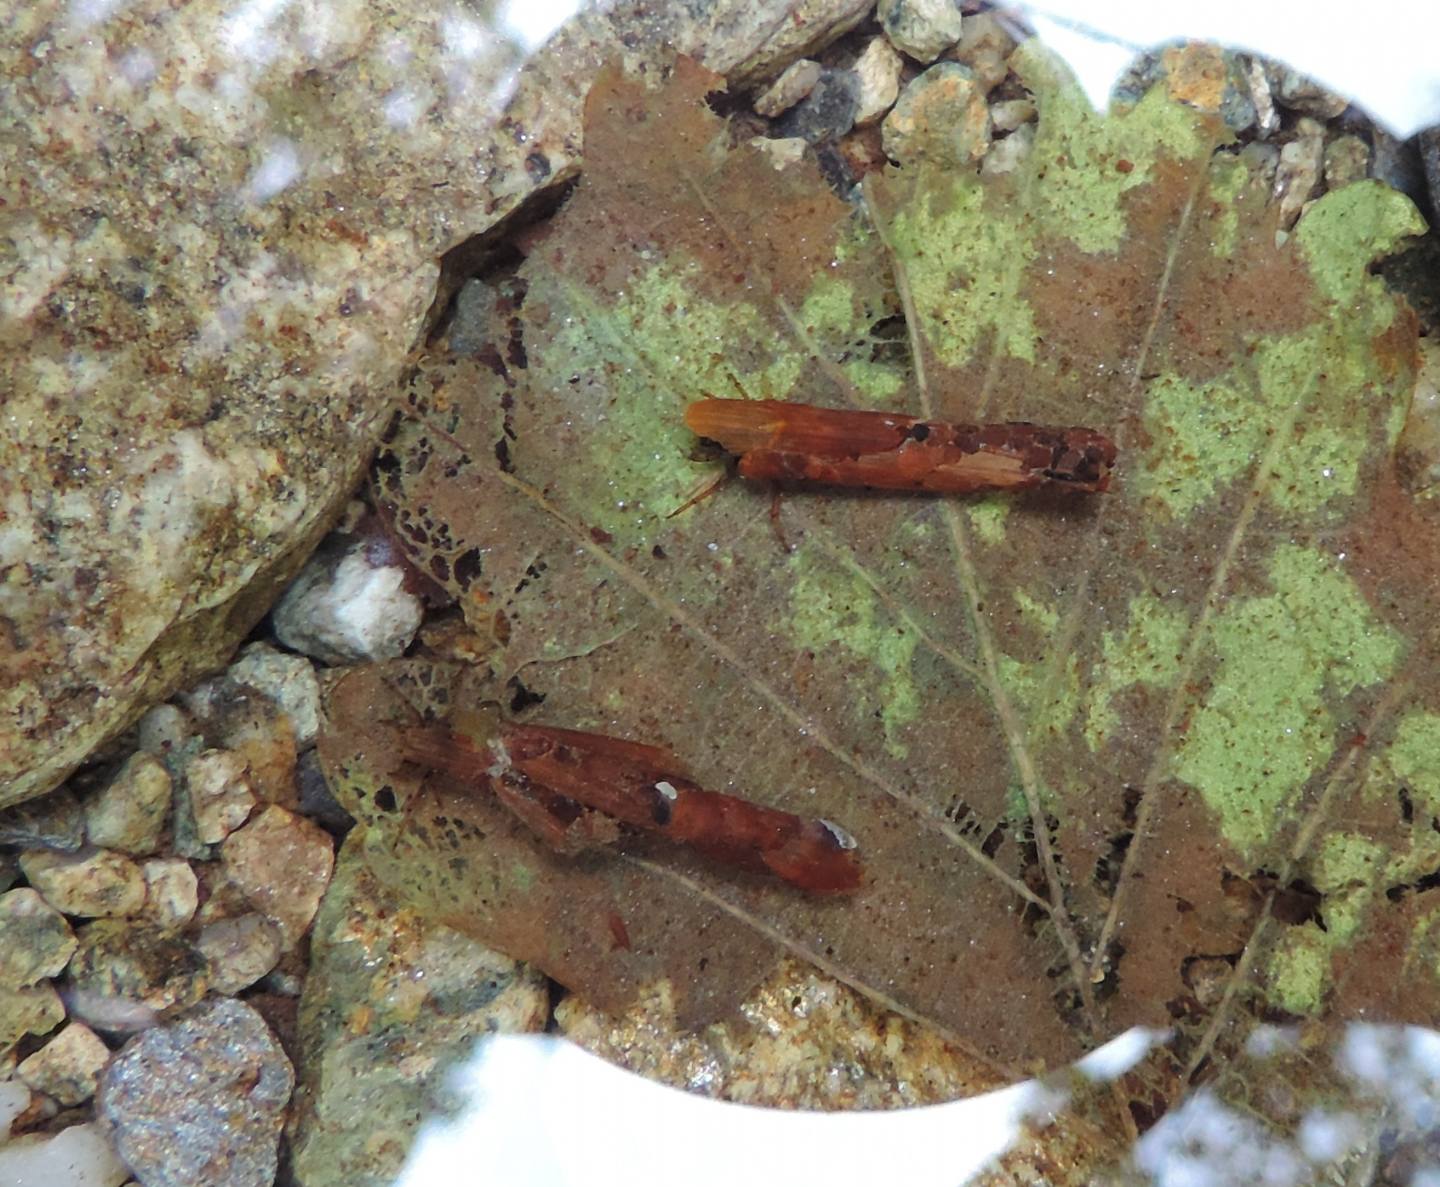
1166 755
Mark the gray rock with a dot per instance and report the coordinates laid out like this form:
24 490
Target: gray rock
1009 114
1347 159
985 47
878 69
165 729
171 892
1429 145
35 1010
316 799
280 863
1299 93
1267 118
200 1100
130 812
218 796
924 29
38 942
1301 161
55 821
826 113
1008 154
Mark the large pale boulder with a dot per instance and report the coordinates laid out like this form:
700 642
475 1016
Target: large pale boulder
221 229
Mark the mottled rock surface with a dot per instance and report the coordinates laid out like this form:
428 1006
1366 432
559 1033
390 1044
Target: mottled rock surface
802 1041
68 1065
125 973
223 234
391 1005
90 883
37 940
941 117
924 29
130 812
201 1100
280 863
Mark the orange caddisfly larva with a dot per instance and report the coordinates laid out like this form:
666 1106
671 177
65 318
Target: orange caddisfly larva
579 790
882 450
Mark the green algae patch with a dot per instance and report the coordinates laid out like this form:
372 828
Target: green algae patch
838 610
1414 759
1343 232
1254 741
1299 971
1148 653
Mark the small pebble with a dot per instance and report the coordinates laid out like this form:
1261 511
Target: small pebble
244 721
54 821
288 680
38 942
1199 74
164 729
346 608
826 113
1267 118
924 29
782 153
36 1010
218 794
1301 161
171 892
281 863
1347 160
1008 154
878 69
91 883
199 1100
1009 114
1293 90
941 118
80 1156
129 813
797 81
67 1066
240 950
985 46
127 973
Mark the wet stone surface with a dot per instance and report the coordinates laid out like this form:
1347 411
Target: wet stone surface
200 1100
130 813
38 942
125 973
89 883
391 1005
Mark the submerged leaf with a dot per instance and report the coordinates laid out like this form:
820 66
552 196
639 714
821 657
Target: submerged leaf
1170 754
